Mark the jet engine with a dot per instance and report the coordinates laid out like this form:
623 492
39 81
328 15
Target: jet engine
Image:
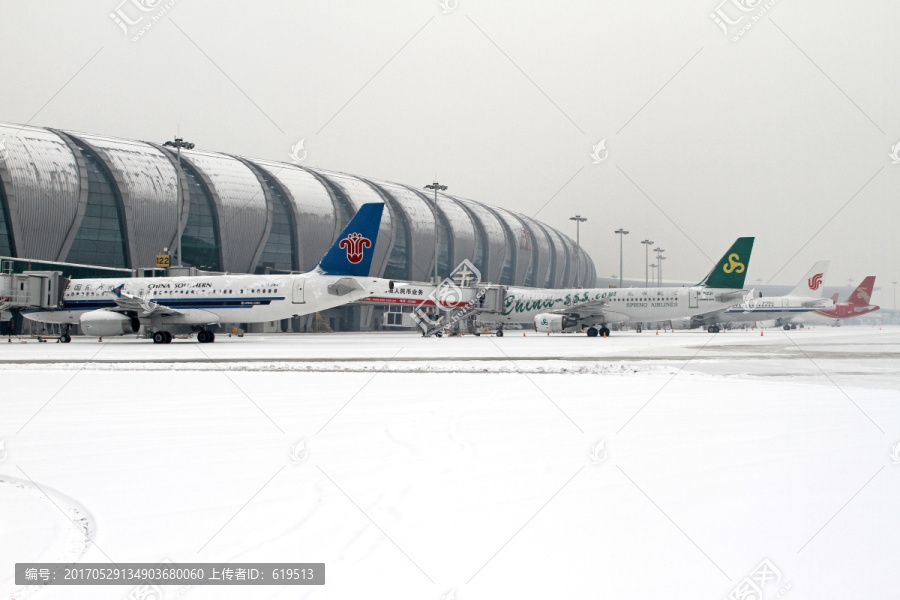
103 322
551 323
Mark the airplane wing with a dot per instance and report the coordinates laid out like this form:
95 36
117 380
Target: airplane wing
591 310
144 307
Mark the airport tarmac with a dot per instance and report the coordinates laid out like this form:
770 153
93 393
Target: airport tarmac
526 466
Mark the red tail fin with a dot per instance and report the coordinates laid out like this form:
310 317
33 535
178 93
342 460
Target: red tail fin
862 295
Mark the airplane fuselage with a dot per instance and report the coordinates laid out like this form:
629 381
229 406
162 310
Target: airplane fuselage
777 307
210 299
641 305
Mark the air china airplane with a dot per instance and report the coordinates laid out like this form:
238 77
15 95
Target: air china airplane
554 311
167 305
803 299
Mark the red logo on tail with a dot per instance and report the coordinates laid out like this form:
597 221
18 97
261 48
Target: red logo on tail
815 281
355 244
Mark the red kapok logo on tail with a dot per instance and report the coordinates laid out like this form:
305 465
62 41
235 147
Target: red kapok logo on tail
815 281
355 244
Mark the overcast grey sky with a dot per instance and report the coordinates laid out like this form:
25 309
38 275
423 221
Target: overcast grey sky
784 134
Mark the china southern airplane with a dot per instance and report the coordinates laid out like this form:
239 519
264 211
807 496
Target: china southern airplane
554 311
804 299
167 305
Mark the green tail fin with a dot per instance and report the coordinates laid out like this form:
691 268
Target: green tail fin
731 269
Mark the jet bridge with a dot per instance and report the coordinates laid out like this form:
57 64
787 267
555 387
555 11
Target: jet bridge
30 290
434 307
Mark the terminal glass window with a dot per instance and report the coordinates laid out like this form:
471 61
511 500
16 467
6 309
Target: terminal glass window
566 280
506 273
398 261
5 233
279 251
551 272
478 258
99 240
444 244
200 238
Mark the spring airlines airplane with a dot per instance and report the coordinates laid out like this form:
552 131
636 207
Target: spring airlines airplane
566 310
167 305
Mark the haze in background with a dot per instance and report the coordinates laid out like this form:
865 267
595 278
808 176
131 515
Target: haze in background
784 134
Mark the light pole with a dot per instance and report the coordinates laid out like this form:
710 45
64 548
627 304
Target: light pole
647 244
622 233
178 144
435 186
659 252
578 221
894 283
653 266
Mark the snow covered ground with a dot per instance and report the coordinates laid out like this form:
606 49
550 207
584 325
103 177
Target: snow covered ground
639 466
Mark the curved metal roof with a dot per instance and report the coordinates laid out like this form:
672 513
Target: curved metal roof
360 191
542 252
462 228
242 203
43 186
420 218
522 242
561 252
496 238
148 183
313 206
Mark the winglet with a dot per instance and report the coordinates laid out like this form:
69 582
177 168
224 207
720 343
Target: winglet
351 254
731 270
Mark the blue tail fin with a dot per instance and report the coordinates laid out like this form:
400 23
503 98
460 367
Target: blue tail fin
351 254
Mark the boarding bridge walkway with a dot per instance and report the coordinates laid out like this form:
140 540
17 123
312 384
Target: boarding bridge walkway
29 290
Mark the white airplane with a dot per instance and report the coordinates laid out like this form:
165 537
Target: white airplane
110 307
804 299
555 311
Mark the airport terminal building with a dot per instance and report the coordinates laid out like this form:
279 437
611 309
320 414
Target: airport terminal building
94 200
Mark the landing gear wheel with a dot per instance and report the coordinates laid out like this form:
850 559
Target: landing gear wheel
65 338
212 337
439 334
638 330
713 329
159 337
203 337
787 327
793 326
499 333
592 332
604 332
168 337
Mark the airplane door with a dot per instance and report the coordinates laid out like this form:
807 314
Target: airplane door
692 299
298 291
